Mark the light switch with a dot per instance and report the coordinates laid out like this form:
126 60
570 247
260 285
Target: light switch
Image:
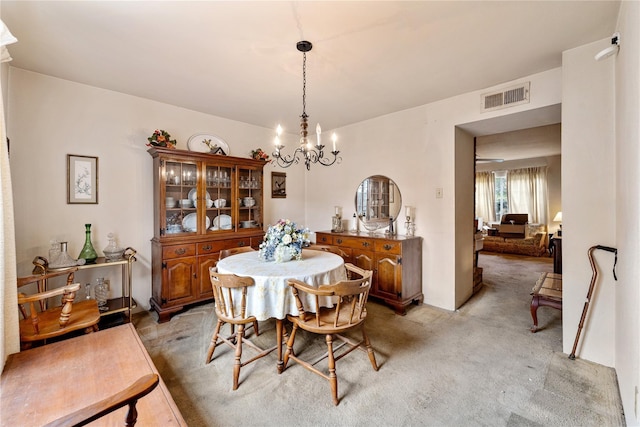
438 193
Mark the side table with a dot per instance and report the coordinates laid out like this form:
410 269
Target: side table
546 292
557 253
122 304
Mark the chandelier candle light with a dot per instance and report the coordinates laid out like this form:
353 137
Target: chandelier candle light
306 148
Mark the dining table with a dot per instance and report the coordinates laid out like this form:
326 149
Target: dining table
271 296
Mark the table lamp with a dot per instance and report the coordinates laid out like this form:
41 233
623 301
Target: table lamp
558 218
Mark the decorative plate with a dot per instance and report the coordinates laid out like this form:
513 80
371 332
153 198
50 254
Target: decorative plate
193 193
190 222
222 222
216 145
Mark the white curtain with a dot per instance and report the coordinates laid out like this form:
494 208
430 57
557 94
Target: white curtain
528 193
485 196
10 342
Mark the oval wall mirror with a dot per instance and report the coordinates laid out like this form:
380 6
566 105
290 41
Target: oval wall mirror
377 199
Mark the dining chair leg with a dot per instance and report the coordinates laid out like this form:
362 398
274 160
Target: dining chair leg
333 379
255 327
214 340
367 344
237 364
290 341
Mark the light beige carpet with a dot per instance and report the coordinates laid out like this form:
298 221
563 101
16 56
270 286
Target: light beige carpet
479 365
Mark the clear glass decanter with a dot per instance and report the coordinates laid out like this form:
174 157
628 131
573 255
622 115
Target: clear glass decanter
112 252
102 293
54 252
64 259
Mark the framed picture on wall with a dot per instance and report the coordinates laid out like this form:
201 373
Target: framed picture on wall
278 185
82 179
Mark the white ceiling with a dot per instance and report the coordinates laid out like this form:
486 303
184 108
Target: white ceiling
238 59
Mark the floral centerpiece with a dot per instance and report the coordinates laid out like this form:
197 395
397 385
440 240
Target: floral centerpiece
258 154
161 138
283 242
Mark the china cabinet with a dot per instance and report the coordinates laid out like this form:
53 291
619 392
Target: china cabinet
203 203
396 262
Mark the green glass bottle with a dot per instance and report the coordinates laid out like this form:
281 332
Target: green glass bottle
88 253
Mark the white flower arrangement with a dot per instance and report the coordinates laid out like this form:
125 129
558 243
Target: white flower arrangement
283 241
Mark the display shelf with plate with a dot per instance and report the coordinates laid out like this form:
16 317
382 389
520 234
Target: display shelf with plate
249 198
203 203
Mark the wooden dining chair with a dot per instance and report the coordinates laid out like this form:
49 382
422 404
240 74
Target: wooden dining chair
230 297
233 251
348 313
328 248
51 313
129 396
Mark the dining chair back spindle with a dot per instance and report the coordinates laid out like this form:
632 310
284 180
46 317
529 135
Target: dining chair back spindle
349 312
328 248
233 251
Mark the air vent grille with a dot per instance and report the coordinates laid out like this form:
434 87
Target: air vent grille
508 97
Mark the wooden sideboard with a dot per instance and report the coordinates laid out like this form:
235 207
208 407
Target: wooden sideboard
396 262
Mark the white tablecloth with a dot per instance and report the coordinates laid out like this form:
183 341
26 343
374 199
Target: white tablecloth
271 296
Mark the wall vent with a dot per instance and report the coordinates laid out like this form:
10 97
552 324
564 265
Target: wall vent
508 97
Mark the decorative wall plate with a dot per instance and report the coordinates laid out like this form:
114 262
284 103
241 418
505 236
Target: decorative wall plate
216 145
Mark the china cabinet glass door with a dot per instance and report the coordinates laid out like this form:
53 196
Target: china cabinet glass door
180 215
249 198
219 210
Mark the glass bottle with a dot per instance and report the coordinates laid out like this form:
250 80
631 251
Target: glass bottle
101 292
88 253
64 259
112 252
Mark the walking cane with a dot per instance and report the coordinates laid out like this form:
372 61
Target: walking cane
594 276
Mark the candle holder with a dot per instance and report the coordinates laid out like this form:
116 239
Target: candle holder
410 226
336 224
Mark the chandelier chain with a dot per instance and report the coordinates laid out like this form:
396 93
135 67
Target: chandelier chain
304 84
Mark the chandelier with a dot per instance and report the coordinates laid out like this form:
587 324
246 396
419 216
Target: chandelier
306 150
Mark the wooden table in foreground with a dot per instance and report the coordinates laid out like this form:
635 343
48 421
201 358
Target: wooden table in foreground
43 384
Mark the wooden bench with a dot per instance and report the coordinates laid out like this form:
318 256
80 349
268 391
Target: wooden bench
546 292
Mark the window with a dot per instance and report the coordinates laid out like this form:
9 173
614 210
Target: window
501 194
512 191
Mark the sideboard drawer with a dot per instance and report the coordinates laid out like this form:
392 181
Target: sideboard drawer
353 242
324 239
178 251
388 246
205 248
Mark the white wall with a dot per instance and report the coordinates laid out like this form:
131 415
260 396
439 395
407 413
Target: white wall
588 199
627 129
50 118
416 148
